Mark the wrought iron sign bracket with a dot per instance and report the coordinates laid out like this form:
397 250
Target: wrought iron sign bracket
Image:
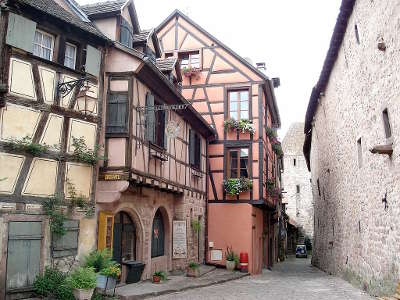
65 88
163 107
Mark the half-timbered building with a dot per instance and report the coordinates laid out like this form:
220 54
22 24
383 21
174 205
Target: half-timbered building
237 100
153 183
50 82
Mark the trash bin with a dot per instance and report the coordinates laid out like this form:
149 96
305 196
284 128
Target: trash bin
134 270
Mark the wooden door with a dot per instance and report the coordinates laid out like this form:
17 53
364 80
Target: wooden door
23 254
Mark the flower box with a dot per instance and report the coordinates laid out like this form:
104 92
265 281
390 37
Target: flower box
243 125
235 186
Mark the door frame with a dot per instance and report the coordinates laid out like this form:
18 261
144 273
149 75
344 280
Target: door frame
4 237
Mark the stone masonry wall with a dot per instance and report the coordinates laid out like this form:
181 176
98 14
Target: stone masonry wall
357 235
299 205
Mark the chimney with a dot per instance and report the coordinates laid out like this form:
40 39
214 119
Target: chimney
261 66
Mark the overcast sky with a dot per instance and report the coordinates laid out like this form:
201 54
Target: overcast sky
290 36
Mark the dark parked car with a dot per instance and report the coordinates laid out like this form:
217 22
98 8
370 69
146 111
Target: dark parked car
301 251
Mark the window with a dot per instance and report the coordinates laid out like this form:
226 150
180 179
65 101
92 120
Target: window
294 162
126 33
169 54
238 163
359 148
117 113
157 236
159 126
386 123
124 238
356 34
194 149
70 56
190 59
155 123
319 190
43 45
238 104
297 189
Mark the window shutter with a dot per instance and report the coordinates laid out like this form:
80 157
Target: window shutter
150 118
93 59
165 132
199 153
126 33
67 245
105 230
20 32
117 115
191 146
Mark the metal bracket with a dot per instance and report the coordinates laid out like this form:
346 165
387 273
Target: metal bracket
163 107
65 88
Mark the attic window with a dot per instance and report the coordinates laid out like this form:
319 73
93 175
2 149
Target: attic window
190 59
386 123
126 33
169 54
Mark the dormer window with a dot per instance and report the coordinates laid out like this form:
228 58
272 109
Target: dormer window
126 33
43 45
190 59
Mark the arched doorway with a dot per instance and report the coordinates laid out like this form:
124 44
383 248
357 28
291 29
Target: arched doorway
124 238
157 235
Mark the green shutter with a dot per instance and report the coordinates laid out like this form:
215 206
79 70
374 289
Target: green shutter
20 32
191 146
150 118
67 245
117 113
199 157
165 126
93 60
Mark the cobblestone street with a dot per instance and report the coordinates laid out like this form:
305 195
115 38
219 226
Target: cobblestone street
293 279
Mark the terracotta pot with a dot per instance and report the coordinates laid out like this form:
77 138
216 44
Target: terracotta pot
83 294
230 265
156 279
193 272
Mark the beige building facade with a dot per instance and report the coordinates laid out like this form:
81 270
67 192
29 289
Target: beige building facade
352 144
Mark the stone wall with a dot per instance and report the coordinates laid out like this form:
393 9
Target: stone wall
357 234
299 200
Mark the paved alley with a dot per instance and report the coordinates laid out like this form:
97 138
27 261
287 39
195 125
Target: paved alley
292 279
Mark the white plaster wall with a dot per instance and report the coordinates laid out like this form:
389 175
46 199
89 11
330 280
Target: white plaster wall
354 234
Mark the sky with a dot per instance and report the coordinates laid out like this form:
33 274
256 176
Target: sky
290 36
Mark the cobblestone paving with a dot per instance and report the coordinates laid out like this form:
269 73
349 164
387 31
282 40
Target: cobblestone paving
292 279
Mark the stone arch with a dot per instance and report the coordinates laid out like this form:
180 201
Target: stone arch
140 232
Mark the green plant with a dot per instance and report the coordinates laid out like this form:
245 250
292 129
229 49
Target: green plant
52 283
190 71
161 274
82 278
229 254
53 208
270 185
235 186
26 145
196 225
194 265
277 148
112 270
99 296
244 125
83 154
98 259
271 133
80 201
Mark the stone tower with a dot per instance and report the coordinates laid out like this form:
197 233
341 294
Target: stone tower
296 181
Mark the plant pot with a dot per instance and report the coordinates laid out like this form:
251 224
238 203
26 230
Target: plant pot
106 282
193 272
230 265
156 279
83 294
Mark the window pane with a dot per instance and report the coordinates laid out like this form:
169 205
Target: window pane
233 106
47 41
46 53
244 115
36 50
244 152
234 115
38 37
244 95
244 173
233 96
244 105
69 60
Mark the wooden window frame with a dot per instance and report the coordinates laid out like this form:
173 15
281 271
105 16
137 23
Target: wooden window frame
53 39
195 153
238 168
238 91
190 53
75 54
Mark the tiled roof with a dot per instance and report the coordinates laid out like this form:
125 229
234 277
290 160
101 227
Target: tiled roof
103 7
166 64
292 143
142 36
51 8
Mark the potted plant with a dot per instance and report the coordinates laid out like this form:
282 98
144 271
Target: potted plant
193 269
158 276
98 259
83 281
107 278
235 186
230 258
